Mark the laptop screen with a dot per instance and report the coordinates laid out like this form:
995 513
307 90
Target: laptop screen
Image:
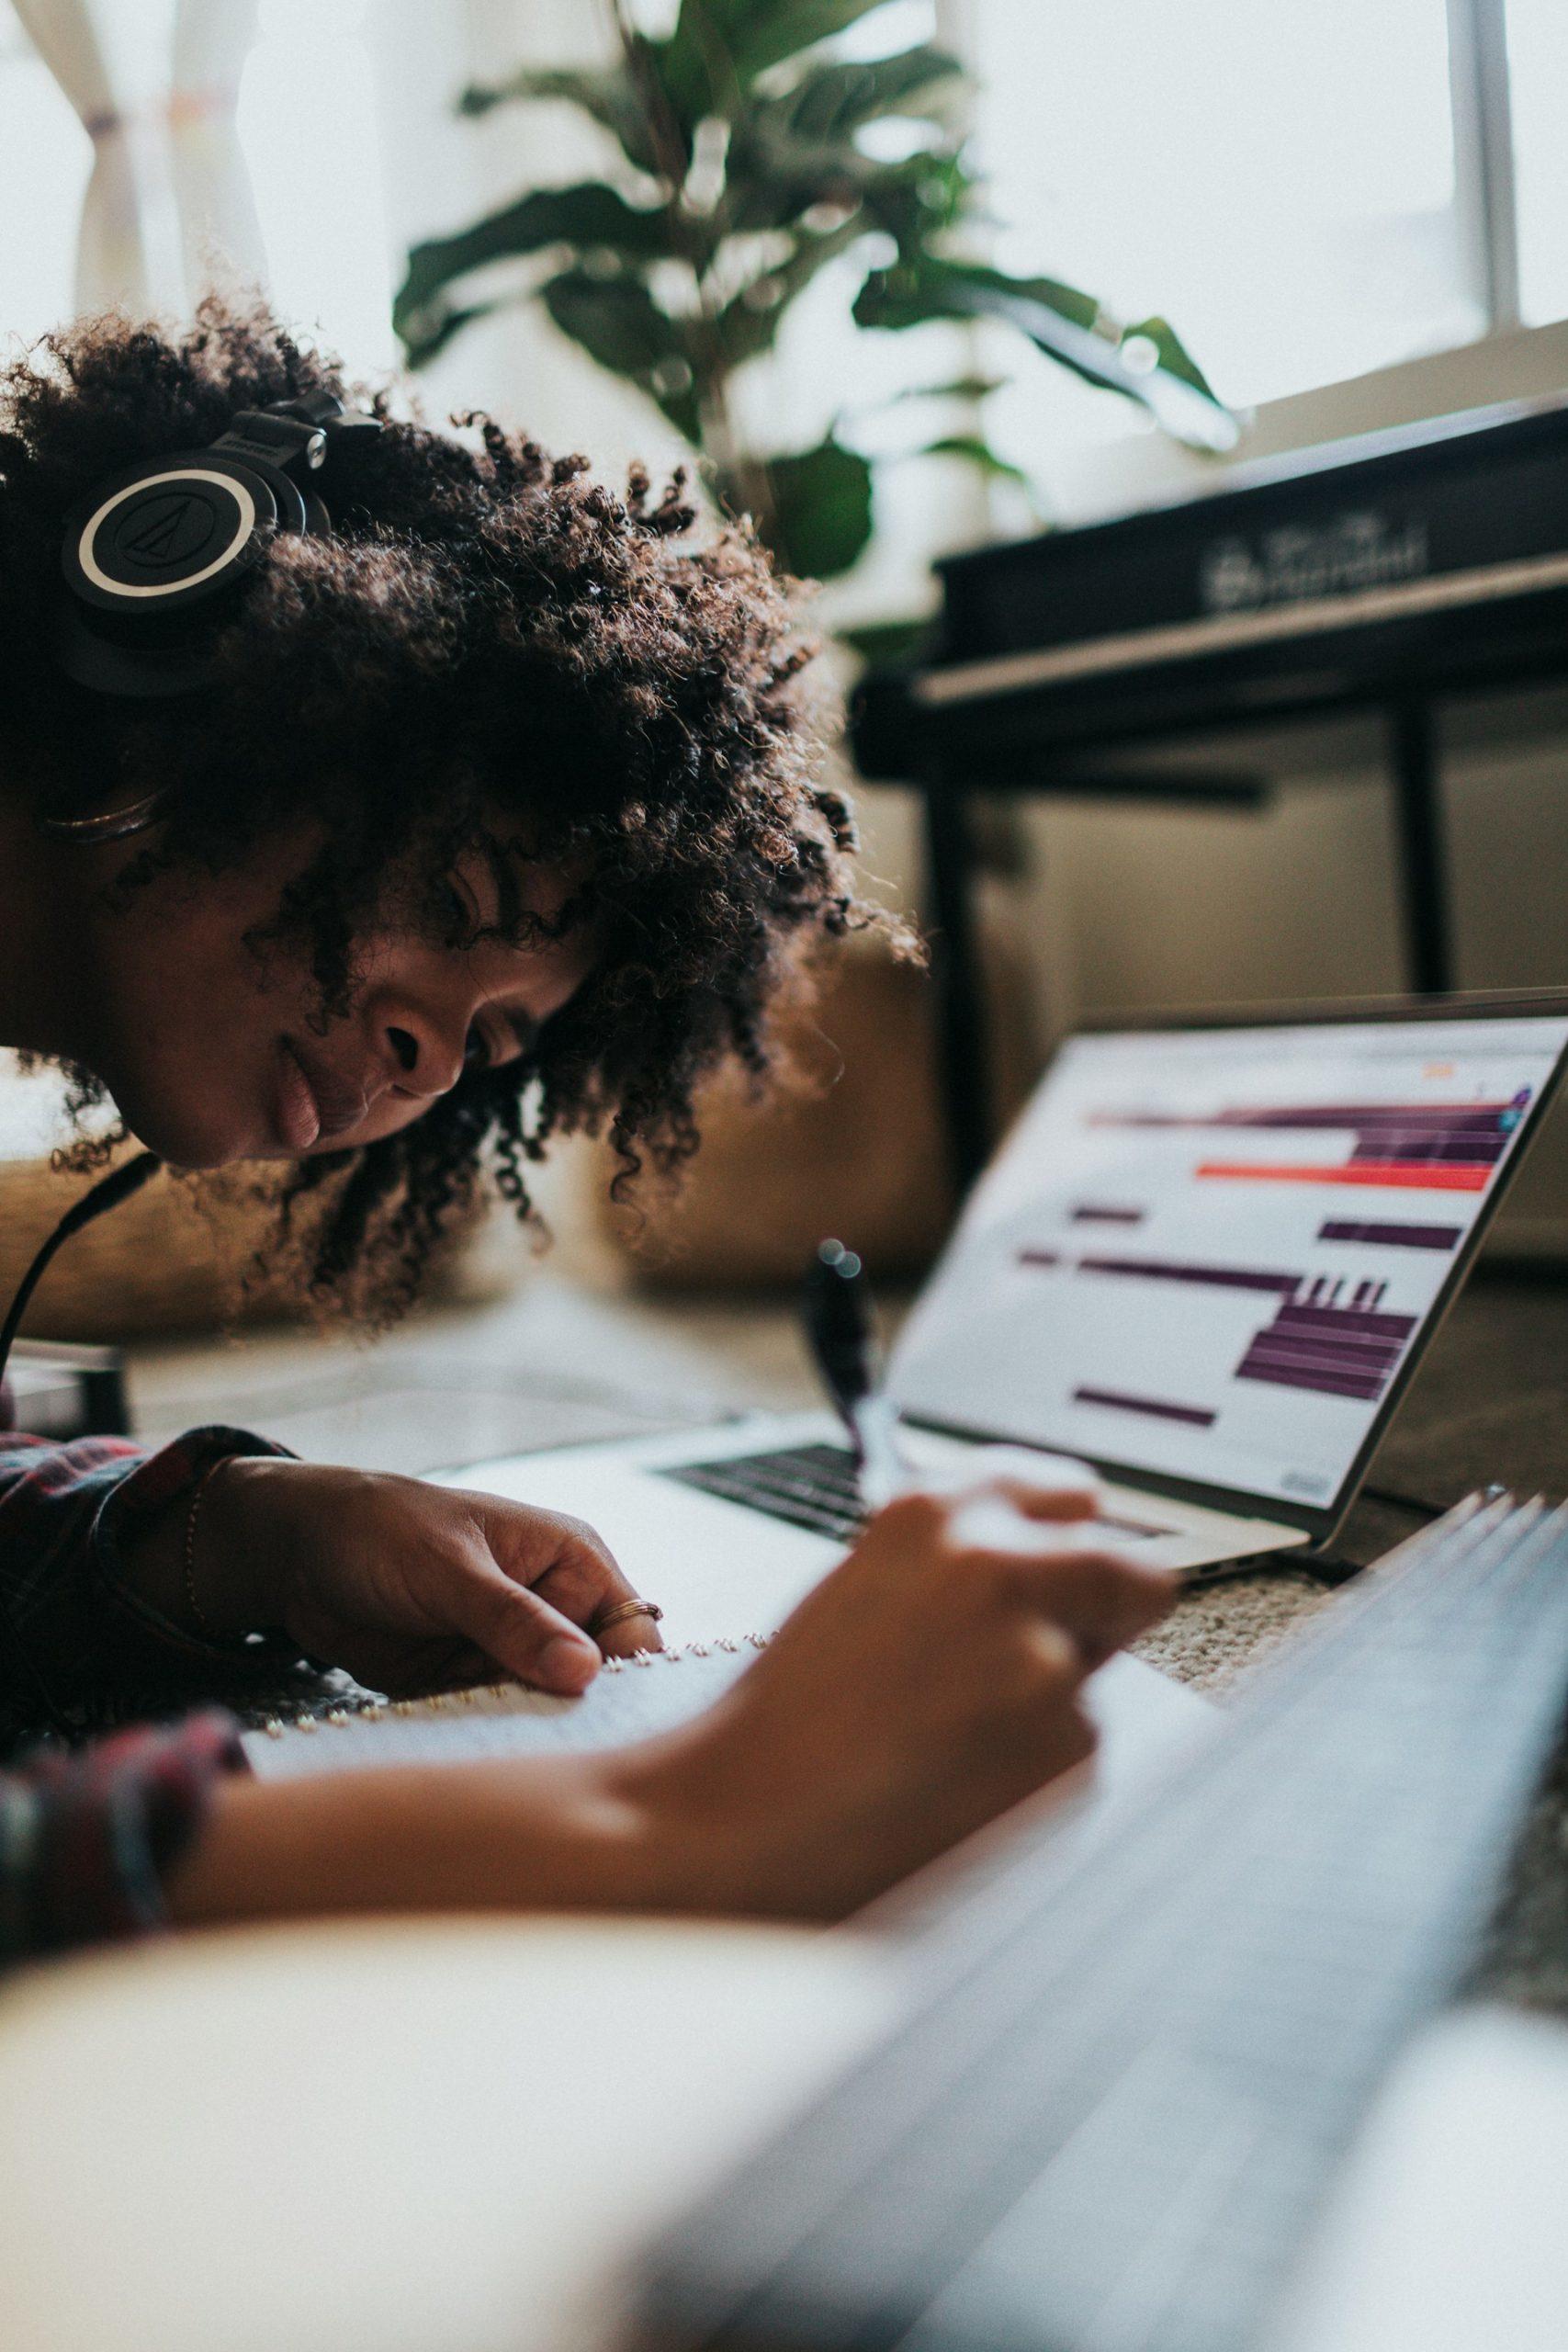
1207 1253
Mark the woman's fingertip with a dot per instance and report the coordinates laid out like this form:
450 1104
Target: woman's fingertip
566 1665
1055 1502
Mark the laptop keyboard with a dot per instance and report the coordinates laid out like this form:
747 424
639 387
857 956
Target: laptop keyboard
817 1486
1107 2125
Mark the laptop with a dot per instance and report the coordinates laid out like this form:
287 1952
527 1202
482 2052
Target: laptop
1206 1261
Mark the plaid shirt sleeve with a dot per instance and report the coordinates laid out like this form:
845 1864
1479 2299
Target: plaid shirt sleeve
86 1832
69 1616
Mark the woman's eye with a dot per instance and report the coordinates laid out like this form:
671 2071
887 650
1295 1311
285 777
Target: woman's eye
462 919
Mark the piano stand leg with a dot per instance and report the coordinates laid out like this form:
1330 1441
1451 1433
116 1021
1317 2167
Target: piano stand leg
963 1057
1418 790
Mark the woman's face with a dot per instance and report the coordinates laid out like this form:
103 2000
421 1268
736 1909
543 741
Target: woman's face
211 1053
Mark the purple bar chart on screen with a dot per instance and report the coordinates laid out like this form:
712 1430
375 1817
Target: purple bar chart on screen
1338 1350
1393 1237
1435 1147
1314 1341
1199 1254
1196 1417
1156 1270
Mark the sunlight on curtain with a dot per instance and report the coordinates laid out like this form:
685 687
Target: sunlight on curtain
112 67
221 238
166 211
46 158
315 234
308 126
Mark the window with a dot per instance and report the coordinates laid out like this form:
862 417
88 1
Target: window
1538 82
1280 181
1309 189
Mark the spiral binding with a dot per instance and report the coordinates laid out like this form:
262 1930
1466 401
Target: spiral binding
453 1702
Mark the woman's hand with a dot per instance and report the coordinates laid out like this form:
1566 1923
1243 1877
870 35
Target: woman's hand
934 1680
410 1587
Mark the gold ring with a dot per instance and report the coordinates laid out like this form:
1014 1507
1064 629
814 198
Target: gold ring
621 1610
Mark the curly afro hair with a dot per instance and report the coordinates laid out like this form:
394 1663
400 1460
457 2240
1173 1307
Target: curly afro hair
492 651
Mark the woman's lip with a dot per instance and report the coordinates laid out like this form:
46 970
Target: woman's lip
327 1105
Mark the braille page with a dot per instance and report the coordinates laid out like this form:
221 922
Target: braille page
1146 1720
629 1699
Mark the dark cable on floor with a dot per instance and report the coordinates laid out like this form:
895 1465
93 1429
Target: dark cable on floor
1406 1502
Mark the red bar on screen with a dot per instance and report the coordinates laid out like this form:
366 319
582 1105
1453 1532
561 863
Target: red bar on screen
1404 1175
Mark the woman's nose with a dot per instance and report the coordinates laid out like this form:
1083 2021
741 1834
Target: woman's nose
427 1061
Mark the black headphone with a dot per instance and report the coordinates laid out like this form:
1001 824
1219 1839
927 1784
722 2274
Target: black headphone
155 556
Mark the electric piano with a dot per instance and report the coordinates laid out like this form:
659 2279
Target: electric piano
1384 573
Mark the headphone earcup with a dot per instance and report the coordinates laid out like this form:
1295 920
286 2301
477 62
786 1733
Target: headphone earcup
96 654
154 558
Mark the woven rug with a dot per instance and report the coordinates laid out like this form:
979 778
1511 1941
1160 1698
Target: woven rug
1215 1632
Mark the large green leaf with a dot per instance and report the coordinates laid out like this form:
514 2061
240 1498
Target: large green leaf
821 509
615 320
748 325
757 34
611 94
589 216
1060 319
775 178
617 323
919 200
797 147
427 336
926 287
960 388
975 451
832 100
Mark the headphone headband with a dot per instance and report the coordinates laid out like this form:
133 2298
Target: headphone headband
155 556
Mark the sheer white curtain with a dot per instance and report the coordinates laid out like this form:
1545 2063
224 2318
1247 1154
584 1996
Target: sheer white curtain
221 238
167 209
112 259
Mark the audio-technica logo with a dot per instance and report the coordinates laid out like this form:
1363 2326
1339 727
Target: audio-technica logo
160 532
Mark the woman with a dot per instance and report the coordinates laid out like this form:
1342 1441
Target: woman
476 806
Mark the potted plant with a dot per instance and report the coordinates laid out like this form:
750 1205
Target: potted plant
749 153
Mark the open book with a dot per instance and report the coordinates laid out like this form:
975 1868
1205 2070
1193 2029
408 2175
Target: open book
1142 1716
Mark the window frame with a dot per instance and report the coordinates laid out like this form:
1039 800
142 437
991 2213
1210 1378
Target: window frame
1508 360
1484 187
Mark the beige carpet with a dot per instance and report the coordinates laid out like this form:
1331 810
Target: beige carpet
1213 1634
